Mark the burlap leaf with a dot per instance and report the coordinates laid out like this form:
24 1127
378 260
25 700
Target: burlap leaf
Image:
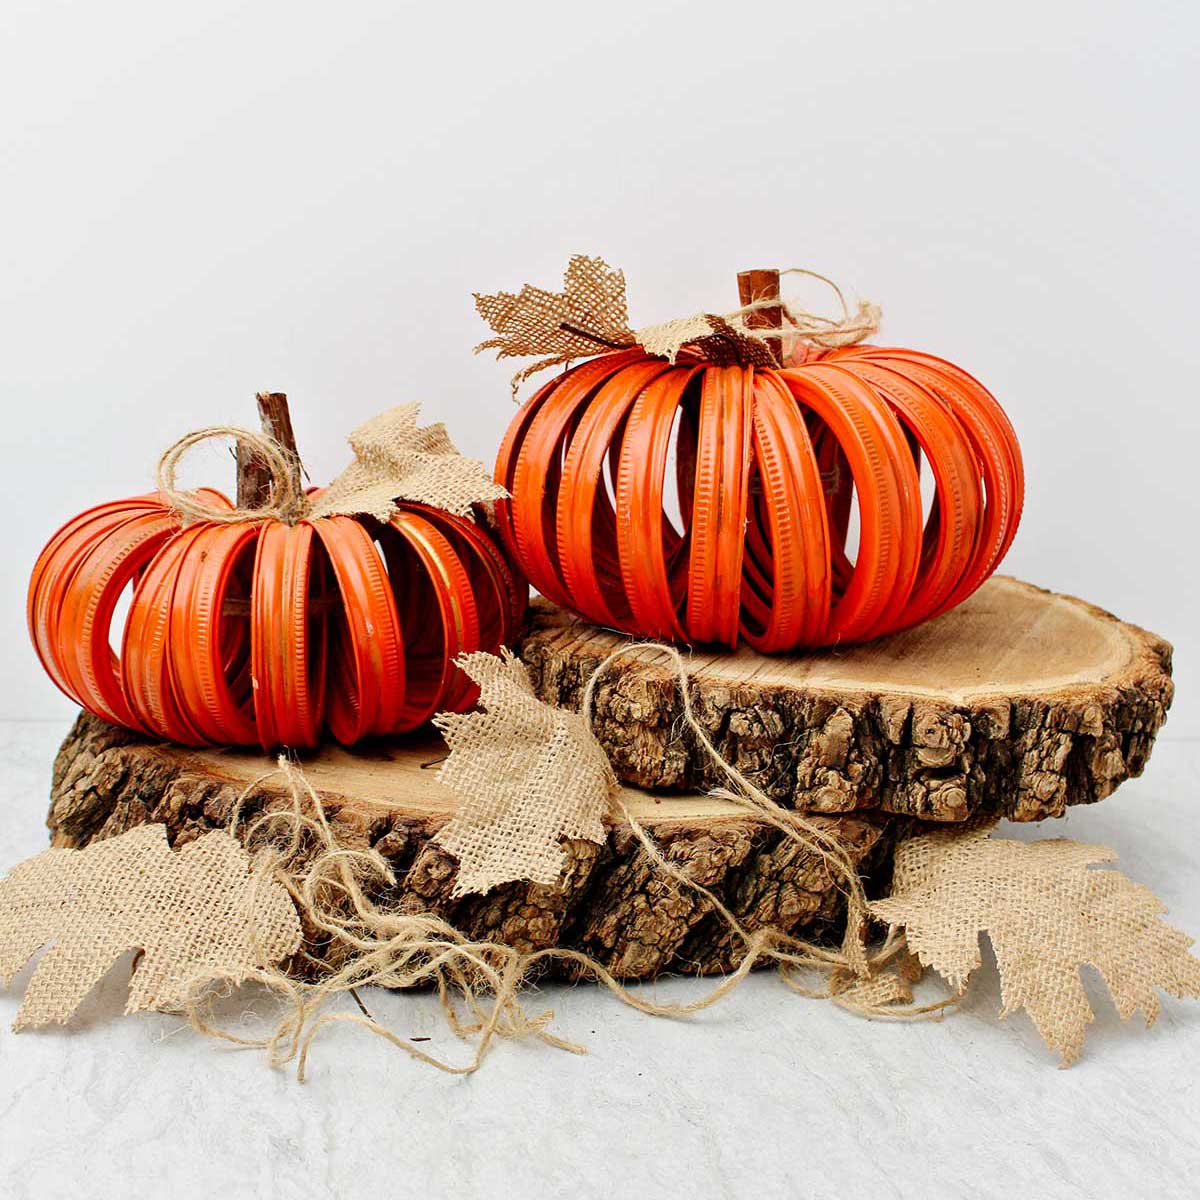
397 459
197 915
713 338
590 315
885 989
1047 915
587 317
526 775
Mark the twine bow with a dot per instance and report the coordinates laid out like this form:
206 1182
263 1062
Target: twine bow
285 502
590 315
826 333
394 459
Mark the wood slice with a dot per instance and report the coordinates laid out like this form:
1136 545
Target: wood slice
1019 701
610 903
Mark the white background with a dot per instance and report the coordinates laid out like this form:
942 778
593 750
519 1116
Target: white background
200 201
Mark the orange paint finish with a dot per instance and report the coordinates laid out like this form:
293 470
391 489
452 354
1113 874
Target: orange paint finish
269 633
795 517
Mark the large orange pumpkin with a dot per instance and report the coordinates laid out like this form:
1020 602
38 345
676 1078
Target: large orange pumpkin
265 631
767 467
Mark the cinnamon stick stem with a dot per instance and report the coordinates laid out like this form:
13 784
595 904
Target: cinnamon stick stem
753 288
253 479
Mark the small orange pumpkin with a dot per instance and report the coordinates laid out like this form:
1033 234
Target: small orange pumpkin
767 466
267 631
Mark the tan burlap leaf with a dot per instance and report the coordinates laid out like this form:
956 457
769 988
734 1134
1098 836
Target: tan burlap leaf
1047 914
197 914
397 459
526 775
888 987
670 337
587 317
713 338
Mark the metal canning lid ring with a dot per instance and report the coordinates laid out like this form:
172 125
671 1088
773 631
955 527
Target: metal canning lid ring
720 505
511 589
958 497
889 548
506 462
106 569
287 641
145 651
55 568
429 559
500 605
584 509
267 626
994 455
368 685
195 643
535 477
793 503
216 554
300 705
646 539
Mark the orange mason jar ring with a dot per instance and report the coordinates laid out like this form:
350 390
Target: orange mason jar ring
536 469
648 546
367 651
590 569
56 566
288 641
106 567
788 535
433 645
201 629
146 674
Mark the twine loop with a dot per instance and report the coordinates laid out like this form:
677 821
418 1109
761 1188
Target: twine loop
286 500
480 981
395 460
810 328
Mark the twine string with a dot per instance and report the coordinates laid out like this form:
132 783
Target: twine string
802 327
812 328
285 502
590 316
479 983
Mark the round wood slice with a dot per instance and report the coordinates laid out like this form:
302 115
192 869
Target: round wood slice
1019 701
610 903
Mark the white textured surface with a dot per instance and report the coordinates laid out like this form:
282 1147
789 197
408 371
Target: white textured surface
768 1095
